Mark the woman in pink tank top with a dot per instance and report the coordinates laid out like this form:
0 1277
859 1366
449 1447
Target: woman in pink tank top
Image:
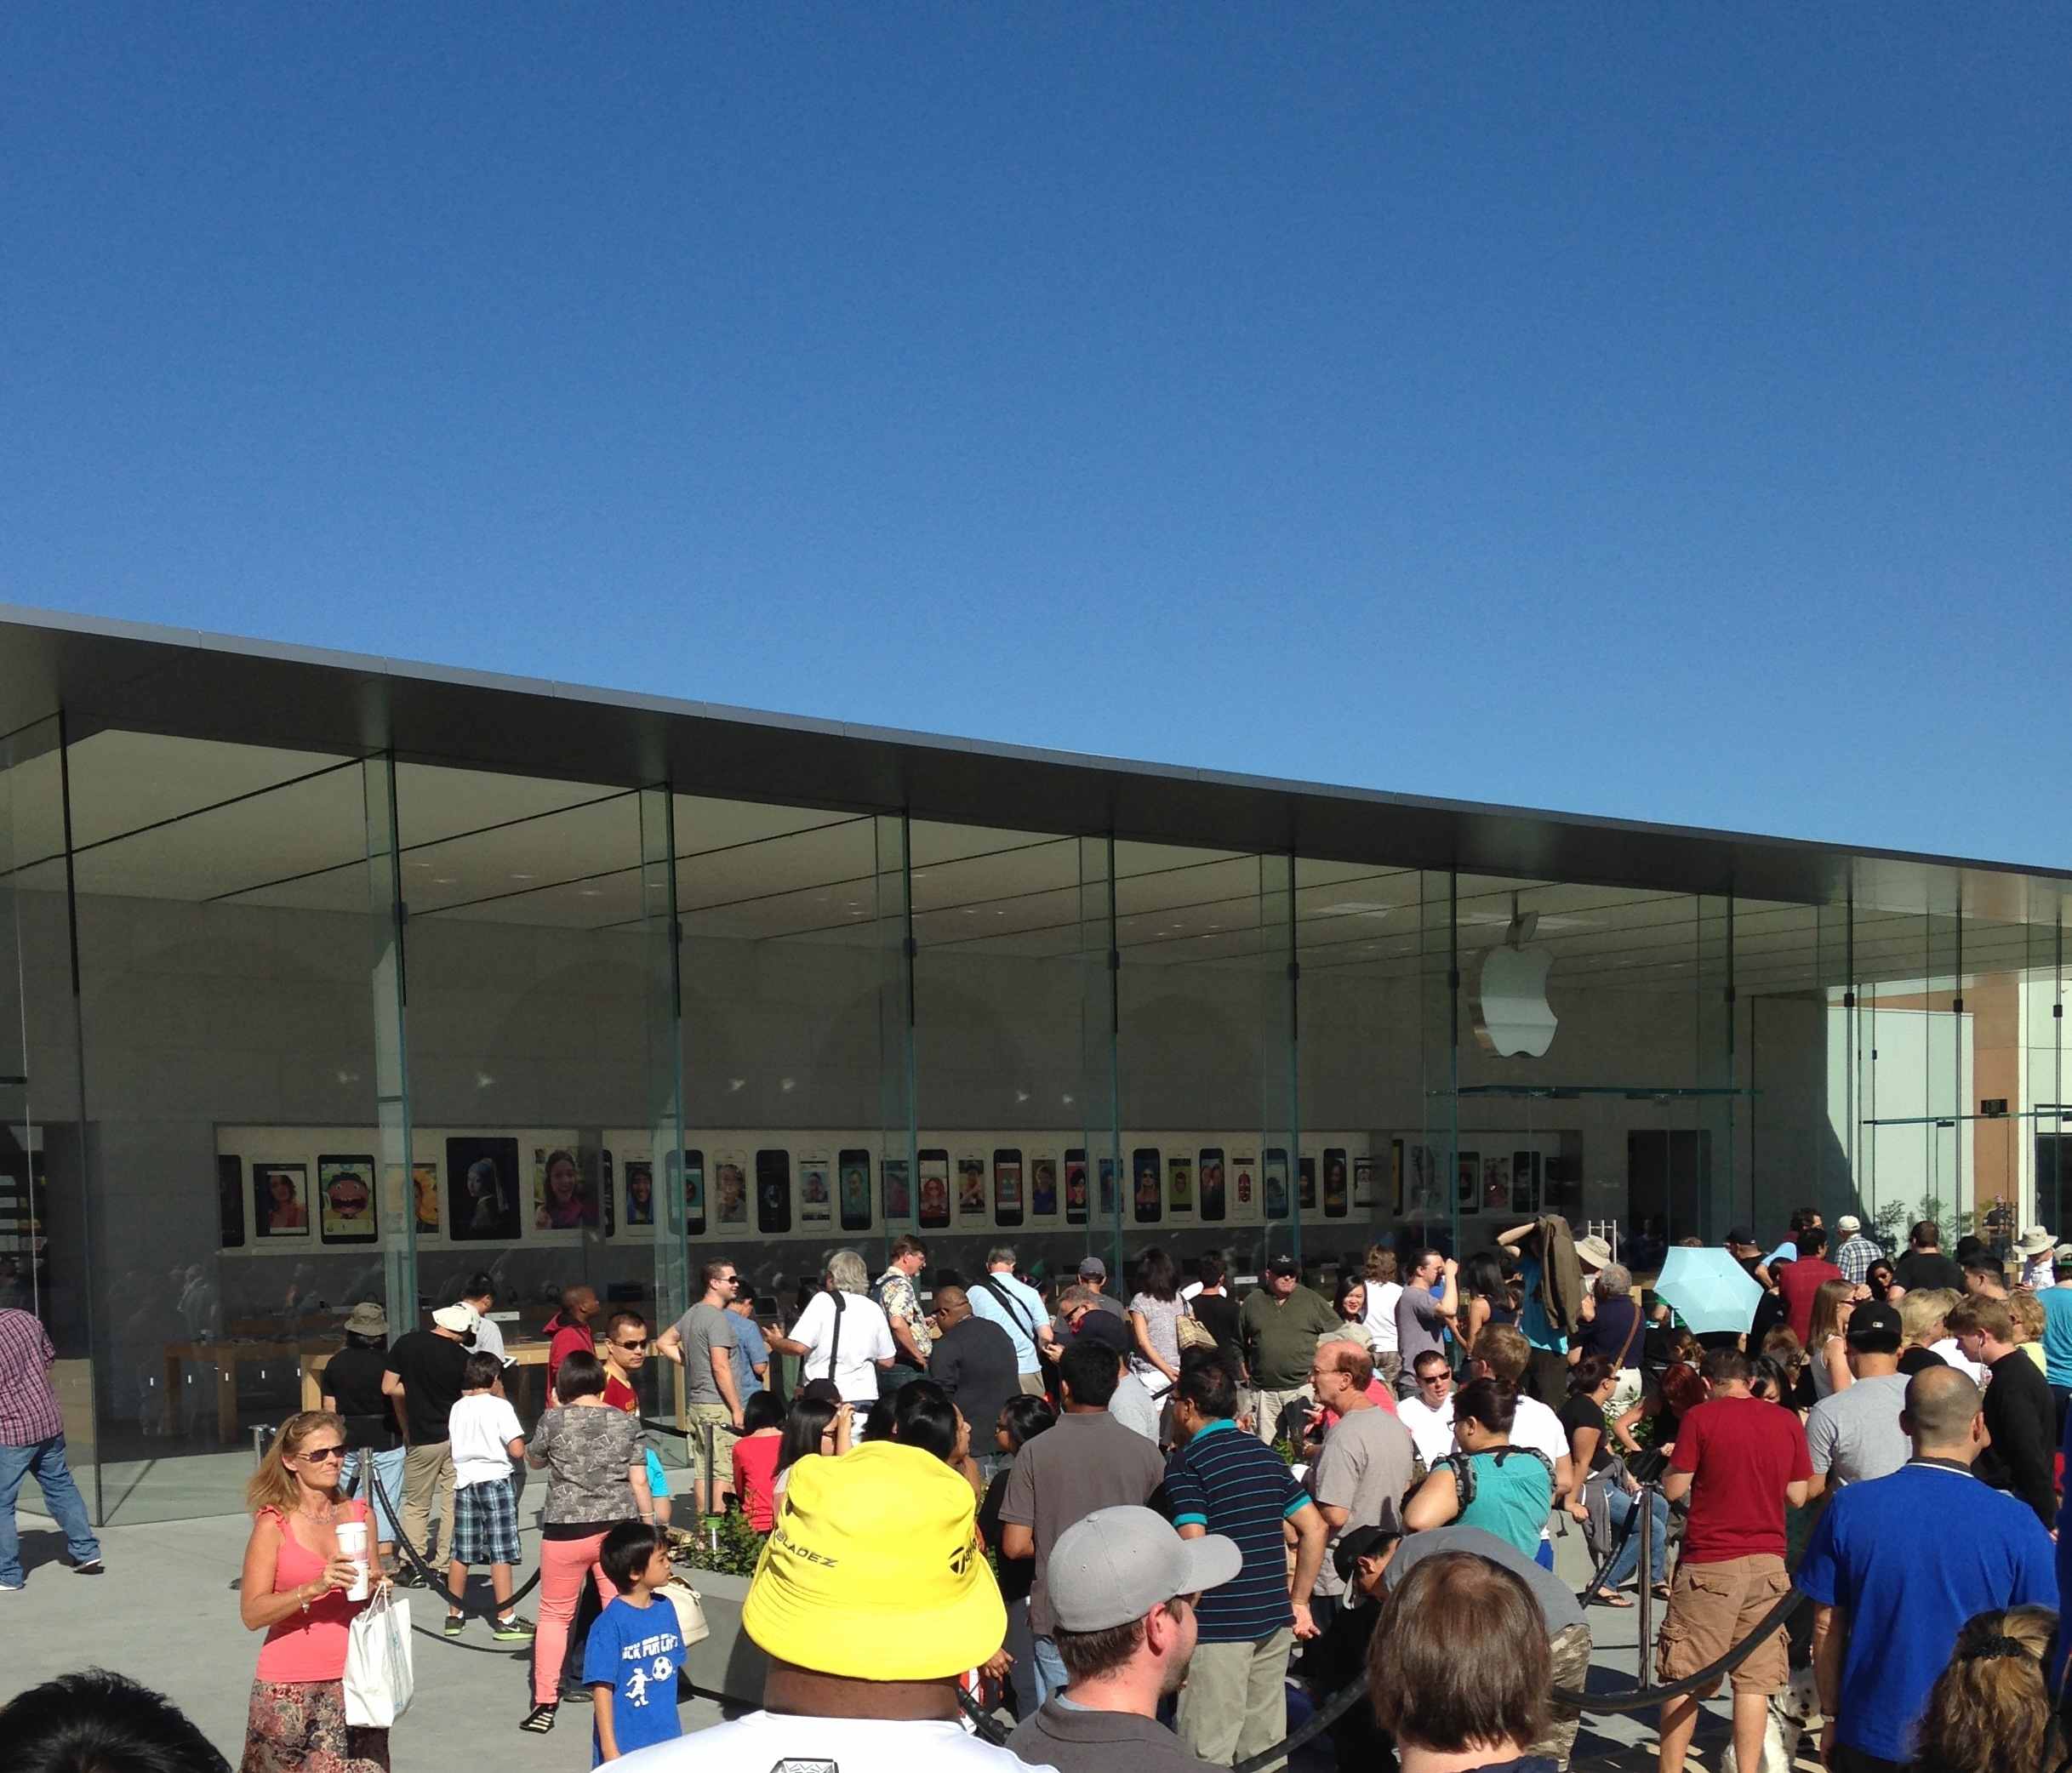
293 1590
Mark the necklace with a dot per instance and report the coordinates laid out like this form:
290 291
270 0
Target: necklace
323 1520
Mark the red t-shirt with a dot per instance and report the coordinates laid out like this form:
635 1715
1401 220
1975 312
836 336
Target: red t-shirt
1742 1452
619 1394
755 1475
568 1339
1798 1281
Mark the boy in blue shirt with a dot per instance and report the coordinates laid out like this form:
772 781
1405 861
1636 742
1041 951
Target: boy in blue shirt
629 1664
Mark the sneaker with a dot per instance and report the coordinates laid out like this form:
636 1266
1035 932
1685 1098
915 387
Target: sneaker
513 1630
10 1588
539 1721
454 1621
93 1566
407 1578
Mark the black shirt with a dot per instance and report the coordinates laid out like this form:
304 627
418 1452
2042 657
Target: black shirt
1919 1269
1582 1412
353 1376
1613 1332
2020 1415
1017 1574
974 1361
1217 1312
1919 1361
431 1369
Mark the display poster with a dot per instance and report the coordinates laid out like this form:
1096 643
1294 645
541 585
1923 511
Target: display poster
1243 1168
1179 1184
1396 1177
898 1189
640 1190
563 1197
280 1200
1075 1187
1273 1182
1210 1179
1335 1185
1306 1183
934 1189
1044 1187
345 1187
1471 1178
1363 1184
1147 1183
1496 1184
1525 1181
852 1176
1109 1187
815 1192
481 1189
1008 1187
970 1187
230 1200
730 1187
772 1190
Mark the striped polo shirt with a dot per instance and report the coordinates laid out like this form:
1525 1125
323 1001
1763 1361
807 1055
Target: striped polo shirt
1226 1481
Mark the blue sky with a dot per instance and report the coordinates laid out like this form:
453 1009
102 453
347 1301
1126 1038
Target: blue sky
1657 412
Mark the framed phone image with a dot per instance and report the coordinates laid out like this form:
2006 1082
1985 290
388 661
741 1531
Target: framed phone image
1008 1186
1244 1174
1108 1186
773 1191
1395 1176
1525 1181
1306 1183
897 1190
230 1201
639 1172
1496 1184
1363 1184
730 1187
690 1166
1180 1185
1043 1187
852 1174
1075 1186
1145 1183
1210 1179
934 1189
346 1190
816 1192
970 1187
1335 1185
564 1198
1470 1174
1273 1182
280 1200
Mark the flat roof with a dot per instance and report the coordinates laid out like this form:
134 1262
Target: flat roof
106 674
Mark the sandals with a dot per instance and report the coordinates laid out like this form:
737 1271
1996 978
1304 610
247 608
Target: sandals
1610 1598
539 1721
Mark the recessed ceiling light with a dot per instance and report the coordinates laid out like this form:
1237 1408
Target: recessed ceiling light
591 892
443 881
520 877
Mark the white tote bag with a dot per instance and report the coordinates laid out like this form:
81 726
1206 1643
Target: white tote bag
379 1678
690 1607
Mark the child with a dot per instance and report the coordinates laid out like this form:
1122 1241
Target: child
629 1664
486 1437
626 1347
755 1458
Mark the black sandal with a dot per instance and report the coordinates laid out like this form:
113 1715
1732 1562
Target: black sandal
539 1721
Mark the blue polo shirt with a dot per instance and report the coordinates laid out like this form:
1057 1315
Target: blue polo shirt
2057 1303
1911 1557
1224 1480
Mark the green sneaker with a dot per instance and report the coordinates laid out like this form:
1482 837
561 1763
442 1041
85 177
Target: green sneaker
453 1623
513 1630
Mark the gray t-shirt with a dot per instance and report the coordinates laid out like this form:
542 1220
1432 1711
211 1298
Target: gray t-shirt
701 1329
1088 1461
1368 1463
1418 1325
1855 1435
1558 1604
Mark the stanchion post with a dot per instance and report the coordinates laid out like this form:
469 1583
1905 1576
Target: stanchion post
1647 1572
707 1498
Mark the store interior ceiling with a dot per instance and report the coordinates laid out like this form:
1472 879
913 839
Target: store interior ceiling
200 821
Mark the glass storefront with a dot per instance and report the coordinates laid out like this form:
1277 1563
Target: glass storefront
284 1030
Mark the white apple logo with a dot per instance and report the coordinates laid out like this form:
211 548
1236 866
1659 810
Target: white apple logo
1509 1003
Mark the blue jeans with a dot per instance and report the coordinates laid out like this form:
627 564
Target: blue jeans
61 1501
1622 1507
1051 1677
388 1467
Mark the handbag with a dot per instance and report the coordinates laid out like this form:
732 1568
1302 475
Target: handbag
690 1607
379 1676
1192 1333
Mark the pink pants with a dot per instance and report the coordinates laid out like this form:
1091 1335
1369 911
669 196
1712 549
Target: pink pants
562 1564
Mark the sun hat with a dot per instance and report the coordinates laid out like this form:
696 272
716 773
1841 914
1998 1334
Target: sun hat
2034 1241
1592 1252
367 1319
1117 1564
459 1318
874 1571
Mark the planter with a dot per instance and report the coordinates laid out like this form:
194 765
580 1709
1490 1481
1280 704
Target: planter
727 1666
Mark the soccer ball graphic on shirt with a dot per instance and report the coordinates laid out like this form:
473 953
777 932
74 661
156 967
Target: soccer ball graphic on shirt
1512 1015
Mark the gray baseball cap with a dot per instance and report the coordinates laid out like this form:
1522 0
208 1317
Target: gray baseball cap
1092 1269
1117 1564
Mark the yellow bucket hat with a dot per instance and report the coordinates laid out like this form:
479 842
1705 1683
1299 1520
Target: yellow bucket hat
874 1571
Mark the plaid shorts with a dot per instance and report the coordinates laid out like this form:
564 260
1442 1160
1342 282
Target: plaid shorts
485 1523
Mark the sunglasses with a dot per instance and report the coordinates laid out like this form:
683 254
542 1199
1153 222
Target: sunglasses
1433 1378
321 1452
631 1347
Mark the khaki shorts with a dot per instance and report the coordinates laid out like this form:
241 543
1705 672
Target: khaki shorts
1712 1608
722 1419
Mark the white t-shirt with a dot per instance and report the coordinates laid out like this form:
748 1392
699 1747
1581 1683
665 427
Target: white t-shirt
1536 1426
1431 1429
855 1745
866 1339
489 1339
1380 1320
482 1427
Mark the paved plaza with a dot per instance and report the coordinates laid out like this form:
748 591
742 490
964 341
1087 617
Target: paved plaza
166 1614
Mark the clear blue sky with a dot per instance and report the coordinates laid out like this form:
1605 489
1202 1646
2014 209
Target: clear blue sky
1664 412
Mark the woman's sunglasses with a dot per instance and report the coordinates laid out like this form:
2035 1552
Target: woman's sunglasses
321 1452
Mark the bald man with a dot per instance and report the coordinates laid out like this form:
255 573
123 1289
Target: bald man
569 1328
974 1361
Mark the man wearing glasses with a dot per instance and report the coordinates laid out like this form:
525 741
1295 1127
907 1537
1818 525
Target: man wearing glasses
701 1343
625 1354
1428 1411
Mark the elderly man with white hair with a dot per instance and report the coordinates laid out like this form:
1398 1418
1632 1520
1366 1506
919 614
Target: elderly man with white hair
1612 1329
843 1333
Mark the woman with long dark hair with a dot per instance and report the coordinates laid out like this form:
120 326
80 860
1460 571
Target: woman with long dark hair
1486 1299
817 1424
1021 1420
293 1589
1154 1315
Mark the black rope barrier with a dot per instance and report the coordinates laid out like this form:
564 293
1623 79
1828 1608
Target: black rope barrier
434 1581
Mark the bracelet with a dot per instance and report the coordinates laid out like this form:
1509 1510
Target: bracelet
302 1598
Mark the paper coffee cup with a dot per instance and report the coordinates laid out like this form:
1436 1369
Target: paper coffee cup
352 1543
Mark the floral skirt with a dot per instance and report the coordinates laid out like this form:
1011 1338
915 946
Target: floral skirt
299 1726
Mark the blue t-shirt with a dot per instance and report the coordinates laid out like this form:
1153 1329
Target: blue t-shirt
1512 1495
1532 1319
635 1652
750 1352
2057 1303
1908 1591
1224 1480
1019 1318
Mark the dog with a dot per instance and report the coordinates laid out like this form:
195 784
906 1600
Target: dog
1793 1714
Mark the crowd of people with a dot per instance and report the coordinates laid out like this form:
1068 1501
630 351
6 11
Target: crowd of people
1163 1525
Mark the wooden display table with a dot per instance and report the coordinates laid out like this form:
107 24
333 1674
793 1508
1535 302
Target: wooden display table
523 1356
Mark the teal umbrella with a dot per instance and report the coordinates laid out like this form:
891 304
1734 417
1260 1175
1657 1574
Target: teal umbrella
1708 1290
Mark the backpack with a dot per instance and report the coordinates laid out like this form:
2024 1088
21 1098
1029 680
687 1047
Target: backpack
1463 1467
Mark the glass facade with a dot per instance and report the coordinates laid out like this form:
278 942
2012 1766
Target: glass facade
283 1029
